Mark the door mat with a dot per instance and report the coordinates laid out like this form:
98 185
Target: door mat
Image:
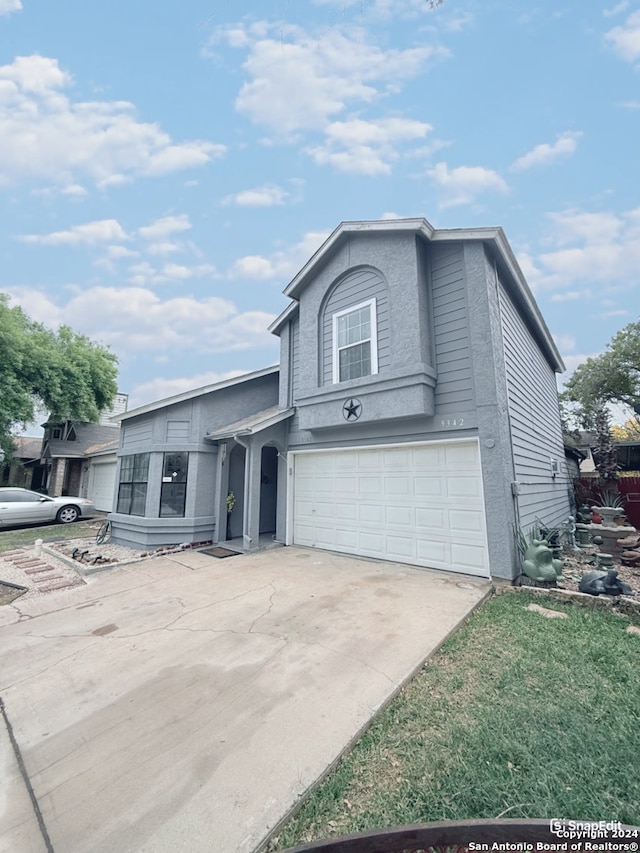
219 552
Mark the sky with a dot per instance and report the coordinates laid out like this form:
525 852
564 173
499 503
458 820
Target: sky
167 168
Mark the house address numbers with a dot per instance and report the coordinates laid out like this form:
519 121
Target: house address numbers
451 422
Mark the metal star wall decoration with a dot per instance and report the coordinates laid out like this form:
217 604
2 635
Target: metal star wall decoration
352 409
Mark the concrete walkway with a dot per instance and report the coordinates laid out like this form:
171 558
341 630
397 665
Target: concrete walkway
187 702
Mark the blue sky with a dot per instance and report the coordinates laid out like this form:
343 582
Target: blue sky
167 168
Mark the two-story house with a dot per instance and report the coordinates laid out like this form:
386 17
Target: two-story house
413 417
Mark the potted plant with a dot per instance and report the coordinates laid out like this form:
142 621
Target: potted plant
611 504
231 502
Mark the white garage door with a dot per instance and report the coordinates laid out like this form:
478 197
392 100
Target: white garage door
102 480
421 504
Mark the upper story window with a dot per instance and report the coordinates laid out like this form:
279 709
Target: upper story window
355 342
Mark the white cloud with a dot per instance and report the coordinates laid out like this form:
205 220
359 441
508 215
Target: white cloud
545 153
299 81
625 40
463 184
135 320
164 248
144 273
366 147
254 266
264 196
600 249
44 136
160 388
572 224
571 296
164 227
9 6
74 191
283 263
615 10
91 234
565 342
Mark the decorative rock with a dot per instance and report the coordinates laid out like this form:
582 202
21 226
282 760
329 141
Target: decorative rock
544 611
605 561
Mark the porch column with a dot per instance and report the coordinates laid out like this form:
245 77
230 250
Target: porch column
222 490
252 481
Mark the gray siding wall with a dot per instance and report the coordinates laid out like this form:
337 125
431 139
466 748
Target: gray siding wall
454 391
536 433
182 426
356 287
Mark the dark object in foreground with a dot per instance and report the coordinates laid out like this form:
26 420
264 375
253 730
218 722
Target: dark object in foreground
604 583
449 836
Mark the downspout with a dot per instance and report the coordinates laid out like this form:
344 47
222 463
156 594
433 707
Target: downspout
514 486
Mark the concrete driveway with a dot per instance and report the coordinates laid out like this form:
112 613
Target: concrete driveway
186 703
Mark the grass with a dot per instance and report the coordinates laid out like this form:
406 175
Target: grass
10 539
517 716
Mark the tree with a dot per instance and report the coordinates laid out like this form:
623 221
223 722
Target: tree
64 372
612 377
629 431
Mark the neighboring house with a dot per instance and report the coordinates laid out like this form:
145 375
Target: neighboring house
24 469
414 416
80 458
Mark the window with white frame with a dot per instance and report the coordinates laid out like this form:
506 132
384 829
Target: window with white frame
355 342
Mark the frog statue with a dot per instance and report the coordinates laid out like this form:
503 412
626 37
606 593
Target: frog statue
583 515
539 564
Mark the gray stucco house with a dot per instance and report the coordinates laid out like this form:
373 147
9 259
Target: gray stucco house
413 417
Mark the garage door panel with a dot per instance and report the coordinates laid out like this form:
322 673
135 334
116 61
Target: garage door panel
419 504
431 520
463 487
398 486
346 485
347 539
371 513
462 521
467 555
346 512
372 460
432 553
461 454
397 458
372 543
398 515
428 486
427 458
400 547
370 485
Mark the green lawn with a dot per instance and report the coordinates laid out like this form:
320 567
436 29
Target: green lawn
10 539
517 716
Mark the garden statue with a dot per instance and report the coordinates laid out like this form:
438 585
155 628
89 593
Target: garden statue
539 564
583 515
604 583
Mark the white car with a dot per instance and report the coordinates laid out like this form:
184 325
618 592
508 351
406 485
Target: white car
20 506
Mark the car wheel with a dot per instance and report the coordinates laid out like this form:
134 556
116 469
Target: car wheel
67 514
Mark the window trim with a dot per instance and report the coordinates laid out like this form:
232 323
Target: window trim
133 483
373 338
167 483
